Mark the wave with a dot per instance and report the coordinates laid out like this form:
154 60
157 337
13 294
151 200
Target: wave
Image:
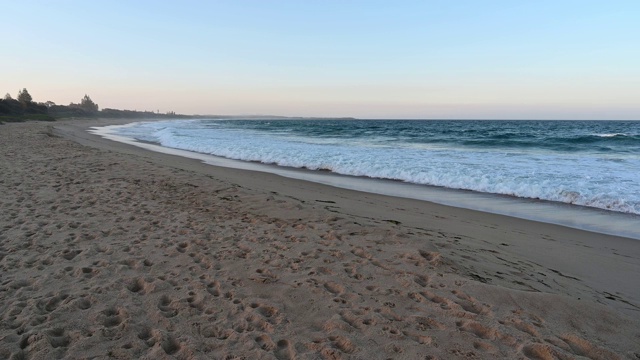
614 138
620 135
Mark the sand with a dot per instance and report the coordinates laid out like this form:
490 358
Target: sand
112 251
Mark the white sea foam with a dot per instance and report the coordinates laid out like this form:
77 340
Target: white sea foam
610 135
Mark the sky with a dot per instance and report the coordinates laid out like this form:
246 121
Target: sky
463 59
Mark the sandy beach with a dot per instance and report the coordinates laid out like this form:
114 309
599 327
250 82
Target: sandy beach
111 251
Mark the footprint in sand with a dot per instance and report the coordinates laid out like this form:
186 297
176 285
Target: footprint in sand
470 304
58 337
170 345
343 344
214 288
433 257
355 321
269 314
166 308
419 338
443 302
524 327
267 311
539 352
265 342
334 288
52 303
86 272
147 335
582 347
421 280
264 276
83 303
112 316
478 329
70 254
362 253
285 350
195 301
182 247
214 331
138 286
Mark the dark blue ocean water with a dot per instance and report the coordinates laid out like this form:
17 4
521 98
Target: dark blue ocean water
589 163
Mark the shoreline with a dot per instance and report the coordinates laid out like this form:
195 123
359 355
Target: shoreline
165 256
573 216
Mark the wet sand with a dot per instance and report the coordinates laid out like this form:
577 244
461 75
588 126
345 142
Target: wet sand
110 250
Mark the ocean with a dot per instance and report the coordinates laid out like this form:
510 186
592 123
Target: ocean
594 164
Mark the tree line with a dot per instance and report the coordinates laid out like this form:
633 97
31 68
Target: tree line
24 108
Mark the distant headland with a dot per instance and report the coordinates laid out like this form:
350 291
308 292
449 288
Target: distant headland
24 108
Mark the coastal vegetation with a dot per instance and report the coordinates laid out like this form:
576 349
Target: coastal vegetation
24 108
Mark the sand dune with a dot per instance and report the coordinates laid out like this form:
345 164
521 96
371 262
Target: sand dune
108 251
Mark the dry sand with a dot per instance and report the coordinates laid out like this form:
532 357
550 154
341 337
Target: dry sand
111 251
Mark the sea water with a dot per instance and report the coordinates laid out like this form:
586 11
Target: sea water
594 164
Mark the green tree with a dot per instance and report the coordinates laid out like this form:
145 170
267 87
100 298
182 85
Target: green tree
24 97
87 104
8 97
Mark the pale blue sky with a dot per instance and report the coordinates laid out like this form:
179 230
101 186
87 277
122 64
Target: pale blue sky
369 59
